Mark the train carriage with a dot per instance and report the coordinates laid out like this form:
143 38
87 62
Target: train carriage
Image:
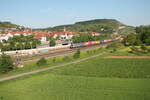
101 41
89 43
83 44
95 42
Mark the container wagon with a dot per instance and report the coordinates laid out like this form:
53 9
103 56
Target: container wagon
90 43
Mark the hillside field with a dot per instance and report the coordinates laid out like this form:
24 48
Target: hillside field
94 79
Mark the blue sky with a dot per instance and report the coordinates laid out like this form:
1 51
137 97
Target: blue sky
46 13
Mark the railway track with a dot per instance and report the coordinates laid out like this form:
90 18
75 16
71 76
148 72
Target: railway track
54 53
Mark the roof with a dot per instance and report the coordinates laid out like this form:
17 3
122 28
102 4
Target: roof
39 35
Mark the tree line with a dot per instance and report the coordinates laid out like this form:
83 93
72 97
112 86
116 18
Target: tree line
88 37
19 43
142 37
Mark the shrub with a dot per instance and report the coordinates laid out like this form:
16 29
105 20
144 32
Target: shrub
134 49
88 52
115 45
41 62
54 59
99 49
66 58
77 54
144 49
94 51
52 43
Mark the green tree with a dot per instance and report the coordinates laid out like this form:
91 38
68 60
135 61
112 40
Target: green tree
41 62
1 45
27 45
131 39
143 33
52 43
83 38
147 41
6 63
20 42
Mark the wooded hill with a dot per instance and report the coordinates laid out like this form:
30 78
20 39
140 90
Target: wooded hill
106 26
8 25
98 25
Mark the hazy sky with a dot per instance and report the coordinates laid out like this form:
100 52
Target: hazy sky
45 13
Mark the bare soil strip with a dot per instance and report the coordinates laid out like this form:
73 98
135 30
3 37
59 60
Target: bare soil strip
128 57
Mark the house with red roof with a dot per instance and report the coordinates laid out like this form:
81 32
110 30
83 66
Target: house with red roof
95 34
42 36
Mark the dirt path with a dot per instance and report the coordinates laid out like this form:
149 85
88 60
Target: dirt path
129 57
49 68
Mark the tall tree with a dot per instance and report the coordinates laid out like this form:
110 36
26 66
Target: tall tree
52 43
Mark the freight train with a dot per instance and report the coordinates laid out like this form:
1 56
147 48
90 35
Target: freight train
90 43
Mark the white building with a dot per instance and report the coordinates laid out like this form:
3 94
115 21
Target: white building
5 36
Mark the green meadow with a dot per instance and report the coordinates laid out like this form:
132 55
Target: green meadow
94 79
65 87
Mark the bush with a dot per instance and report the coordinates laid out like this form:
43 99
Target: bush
52 43
115 45
54 59
88 52
6 63
144 49
114 50
41 62
77 54
94 51
132 39
66 58
134 49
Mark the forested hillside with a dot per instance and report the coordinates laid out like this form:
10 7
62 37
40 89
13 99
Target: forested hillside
105 26
98 25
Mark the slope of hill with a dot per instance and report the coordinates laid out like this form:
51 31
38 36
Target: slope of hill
126 30
94 79
97 25
8 25
107 26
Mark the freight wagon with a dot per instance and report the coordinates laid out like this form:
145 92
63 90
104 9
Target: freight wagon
90 43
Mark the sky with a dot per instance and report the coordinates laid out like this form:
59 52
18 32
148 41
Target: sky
49 13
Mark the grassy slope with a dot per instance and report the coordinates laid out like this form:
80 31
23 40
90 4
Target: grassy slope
84 81
127 30
121 68
30 66
51 87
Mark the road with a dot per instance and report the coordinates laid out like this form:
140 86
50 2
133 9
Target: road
49 68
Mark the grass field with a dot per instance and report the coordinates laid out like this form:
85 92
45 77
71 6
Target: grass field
101 67
62 87
31 66
94 79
